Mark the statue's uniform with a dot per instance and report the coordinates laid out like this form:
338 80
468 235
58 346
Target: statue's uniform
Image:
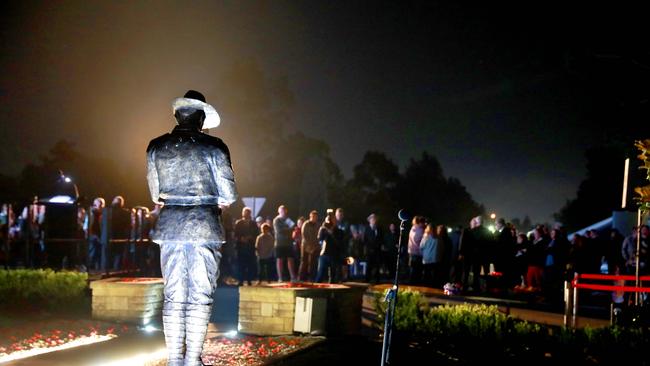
191 174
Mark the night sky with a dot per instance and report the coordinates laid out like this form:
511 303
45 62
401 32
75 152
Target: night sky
507 98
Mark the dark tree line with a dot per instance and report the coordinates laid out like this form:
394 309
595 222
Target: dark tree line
303 177
377 186
601 191
297 170
94 175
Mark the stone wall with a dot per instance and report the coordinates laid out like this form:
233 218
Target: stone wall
133 300
270 309
266 310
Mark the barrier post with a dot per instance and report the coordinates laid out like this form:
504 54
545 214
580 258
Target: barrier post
568 302
574 302
7 234
637 256
28 237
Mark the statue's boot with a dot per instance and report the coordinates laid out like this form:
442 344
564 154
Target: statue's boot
196 327
174 327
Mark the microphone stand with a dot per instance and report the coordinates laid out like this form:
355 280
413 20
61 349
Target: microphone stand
391 299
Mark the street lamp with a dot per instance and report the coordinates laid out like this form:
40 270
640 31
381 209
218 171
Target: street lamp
493 216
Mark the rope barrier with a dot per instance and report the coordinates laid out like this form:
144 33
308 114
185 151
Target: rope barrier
594 276
572 287
592 286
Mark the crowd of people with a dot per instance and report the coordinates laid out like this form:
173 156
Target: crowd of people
477 259
100 237
311 249
474 259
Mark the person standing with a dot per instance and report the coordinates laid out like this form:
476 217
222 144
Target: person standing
282 228
309 248
93 232
374 240
430 247
344 233
415 254
536 260
328 237
191 174
116 224
296 237
264 248
356 251
389 250
456 266
245 233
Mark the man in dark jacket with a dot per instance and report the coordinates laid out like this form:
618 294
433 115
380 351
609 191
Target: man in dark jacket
504 245
116 224
191 174
374 239
245 233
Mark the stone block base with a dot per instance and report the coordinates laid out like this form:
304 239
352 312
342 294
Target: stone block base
133 300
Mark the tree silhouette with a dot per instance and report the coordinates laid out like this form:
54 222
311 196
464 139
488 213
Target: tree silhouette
300 174
600 193
426 191
372 188
94 174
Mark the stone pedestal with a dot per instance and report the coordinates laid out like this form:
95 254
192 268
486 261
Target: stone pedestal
133 300
270 309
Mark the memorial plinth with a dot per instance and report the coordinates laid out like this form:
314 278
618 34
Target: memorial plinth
132 300
270 309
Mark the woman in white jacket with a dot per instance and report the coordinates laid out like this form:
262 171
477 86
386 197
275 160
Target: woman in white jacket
432 248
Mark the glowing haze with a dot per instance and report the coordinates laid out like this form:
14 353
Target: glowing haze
489 97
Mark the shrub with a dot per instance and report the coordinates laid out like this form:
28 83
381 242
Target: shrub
500 335
408 310
466 319
42 288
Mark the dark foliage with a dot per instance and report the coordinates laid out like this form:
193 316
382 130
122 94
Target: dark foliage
600 193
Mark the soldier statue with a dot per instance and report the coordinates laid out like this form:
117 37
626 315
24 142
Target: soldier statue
190 174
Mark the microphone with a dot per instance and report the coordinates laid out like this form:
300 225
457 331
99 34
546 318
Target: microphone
403 215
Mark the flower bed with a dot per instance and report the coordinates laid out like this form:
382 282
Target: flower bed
22 339
251 350
247 350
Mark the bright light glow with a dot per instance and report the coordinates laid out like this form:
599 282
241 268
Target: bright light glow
61 199
231 334
150 328
72 344
138 360
449 230
492 228
493 216
67 179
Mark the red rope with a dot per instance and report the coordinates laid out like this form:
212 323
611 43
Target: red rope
591 286
593 276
